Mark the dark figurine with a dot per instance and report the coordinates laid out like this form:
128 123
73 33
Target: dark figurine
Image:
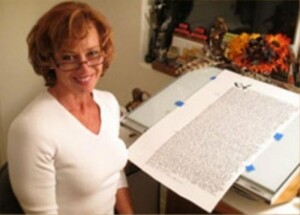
216 37
138 97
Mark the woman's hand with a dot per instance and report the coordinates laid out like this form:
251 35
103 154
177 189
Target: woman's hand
123 201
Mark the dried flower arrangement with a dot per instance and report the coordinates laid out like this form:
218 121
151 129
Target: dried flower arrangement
264 54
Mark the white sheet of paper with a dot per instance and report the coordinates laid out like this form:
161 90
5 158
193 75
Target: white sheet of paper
201 148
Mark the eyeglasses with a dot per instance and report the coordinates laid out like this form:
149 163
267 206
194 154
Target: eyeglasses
71 63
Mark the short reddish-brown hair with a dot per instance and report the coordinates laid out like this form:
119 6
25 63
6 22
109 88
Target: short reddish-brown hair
65 22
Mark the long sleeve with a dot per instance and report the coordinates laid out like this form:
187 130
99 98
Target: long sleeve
122 181
31 169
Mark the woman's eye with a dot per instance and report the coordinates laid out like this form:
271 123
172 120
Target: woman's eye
93 54
68 58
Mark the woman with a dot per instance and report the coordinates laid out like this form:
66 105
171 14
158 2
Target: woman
64 154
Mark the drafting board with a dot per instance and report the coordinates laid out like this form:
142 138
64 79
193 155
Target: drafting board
151 112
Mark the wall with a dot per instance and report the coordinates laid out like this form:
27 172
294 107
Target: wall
129 23
19 84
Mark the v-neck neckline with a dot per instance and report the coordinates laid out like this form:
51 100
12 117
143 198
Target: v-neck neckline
77 121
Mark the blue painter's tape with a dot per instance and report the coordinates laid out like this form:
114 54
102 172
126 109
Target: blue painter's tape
250 168
179 103
278 136
213 78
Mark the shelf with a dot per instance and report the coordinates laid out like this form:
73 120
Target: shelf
164 68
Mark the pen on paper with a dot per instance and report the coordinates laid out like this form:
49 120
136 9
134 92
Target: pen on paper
241 85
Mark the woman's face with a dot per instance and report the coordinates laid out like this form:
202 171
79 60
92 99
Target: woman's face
78 68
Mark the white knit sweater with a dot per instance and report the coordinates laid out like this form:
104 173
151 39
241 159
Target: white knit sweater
58 166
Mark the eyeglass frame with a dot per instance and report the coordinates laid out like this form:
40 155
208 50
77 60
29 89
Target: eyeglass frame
78 64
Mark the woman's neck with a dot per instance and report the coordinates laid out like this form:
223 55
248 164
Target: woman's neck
72 102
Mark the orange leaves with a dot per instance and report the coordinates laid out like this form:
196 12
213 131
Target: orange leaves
260 53
236 46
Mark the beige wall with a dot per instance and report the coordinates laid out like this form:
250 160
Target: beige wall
128 70
19 84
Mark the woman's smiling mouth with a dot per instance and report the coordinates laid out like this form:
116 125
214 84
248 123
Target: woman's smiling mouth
83 80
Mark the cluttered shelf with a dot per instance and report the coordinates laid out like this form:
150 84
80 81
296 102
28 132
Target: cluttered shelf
268 55
179 47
